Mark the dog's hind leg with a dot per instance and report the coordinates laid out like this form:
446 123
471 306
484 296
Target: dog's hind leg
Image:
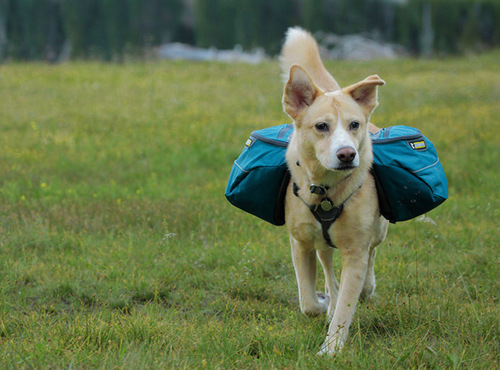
369 284
304 261
331 283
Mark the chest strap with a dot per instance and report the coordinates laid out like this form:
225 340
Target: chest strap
325 213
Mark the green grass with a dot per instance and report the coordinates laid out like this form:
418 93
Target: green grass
118 249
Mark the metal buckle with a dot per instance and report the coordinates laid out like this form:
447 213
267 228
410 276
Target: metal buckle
318 189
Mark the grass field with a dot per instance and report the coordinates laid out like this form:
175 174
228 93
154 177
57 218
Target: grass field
118 248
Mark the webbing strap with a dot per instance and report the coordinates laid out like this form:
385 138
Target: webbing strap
325 218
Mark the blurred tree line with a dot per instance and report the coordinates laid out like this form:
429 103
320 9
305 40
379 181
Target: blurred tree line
111 29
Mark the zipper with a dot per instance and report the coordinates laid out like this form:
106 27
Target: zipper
399 138
376 139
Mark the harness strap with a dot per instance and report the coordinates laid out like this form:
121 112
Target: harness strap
325 217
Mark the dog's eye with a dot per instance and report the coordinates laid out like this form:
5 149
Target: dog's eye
354 125
322 127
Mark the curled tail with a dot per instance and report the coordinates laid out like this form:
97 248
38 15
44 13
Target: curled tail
301 48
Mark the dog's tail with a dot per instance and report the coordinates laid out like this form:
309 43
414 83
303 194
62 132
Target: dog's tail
301 48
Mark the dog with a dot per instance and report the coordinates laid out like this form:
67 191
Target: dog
331 201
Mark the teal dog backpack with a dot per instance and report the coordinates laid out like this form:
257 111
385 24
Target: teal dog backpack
409 177
259 177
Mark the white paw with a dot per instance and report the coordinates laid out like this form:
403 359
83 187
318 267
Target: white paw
323 300
317 307
331 346
325 350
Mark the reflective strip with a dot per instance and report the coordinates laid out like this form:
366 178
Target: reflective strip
426 167
236 163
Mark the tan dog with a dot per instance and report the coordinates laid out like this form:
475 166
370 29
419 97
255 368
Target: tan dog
329 157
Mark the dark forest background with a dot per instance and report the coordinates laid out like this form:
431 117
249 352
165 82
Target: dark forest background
55 30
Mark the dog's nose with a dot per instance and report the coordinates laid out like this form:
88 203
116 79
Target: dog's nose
346 154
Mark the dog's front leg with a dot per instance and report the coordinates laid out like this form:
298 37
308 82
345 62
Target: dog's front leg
304 262
354 268
331 283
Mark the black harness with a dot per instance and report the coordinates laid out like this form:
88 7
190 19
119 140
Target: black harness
325 212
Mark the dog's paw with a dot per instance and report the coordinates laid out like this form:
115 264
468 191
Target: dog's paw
322 297
325 350
367 292
316 306
323 300
331 347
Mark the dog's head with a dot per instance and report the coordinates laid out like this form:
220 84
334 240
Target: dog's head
332 127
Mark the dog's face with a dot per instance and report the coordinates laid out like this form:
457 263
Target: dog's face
332 127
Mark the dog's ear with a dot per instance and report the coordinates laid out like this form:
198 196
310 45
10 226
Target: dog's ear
300 91
365 93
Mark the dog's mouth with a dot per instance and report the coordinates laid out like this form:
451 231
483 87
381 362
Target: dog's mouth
345 167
